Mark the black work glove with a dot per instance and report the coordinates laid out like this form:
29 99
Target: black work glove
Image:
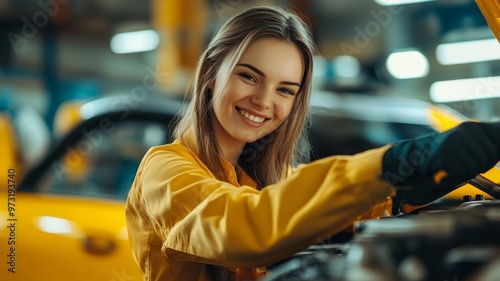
429 167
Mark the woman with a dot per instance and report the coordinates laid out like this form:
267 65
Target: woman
222 201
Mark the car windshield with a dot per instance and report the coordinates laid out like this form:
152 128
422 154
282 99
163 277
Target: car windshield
102 163
346 136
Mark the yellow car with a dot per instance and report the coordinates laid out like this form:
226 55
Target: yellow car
65 220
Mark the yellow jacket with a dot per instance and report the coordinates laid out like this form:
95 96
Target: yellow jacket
181 218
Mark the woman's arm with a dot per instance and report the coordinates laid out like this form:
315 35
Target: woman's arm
199 218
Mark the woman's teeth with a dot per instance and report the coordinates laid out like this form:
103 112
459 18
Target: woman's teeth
252 117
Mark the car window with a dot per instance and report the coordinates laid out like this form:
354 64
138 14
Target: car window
346 136
102 163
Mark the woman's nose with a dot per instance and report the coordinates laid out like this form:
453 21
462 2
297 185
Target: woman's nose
262 98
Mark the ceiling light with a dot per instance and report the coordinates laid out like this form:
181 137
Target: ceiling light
135 41
407 64
346 66
398 2
465 89
467 52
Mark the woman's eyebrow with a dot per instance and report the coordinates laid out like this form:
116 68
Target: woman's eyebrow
252 68
290 83
258 71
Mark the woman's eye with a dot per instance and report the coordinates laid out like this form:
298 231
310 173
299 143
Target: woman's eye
286 91
248 77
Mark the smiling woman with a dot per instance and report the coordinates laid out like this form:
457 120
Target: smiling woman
226 198
258 95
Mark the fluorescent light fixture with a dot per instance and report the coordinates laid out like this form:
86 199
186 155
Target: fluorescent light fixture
346 66
407 64
398 2
467 52
465 89
136 41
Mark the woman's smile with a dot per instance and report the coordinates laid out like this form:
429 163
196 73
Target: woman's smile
260 90
254 119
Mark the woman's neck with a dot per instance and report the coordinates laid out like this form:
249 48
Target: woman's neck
231 152
231 148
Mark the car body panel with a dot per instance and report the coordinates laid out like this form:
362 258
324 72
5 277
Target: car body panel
8 149
67 238
443 118
491 12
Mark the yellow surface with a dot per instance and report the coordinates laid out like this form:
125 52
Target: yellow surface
67 117
491 12
442 119
40 255
8 149
182 27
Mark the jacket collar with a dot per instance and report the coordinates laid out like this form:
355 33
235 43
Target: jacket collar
236 176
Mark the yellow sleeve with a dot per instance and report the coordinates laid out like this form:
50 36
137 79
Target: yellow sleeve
201 219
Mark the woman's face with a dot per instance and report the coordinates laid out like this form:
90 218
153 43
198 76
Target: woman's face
259 93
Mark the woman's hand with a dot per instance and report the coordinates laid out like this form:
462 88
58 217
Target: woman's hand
429 167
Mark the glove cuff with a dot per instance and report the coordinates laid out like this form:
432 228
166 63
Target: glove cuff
396 169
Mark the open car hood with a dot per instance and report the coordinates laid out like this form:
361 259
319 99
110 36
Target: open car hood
491 12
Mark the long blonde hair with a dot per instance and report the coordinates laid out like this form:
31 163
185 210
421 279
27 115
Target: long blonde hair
267 159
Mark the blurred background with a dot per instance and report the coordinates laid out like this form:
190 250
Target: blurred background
387 70
56 52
